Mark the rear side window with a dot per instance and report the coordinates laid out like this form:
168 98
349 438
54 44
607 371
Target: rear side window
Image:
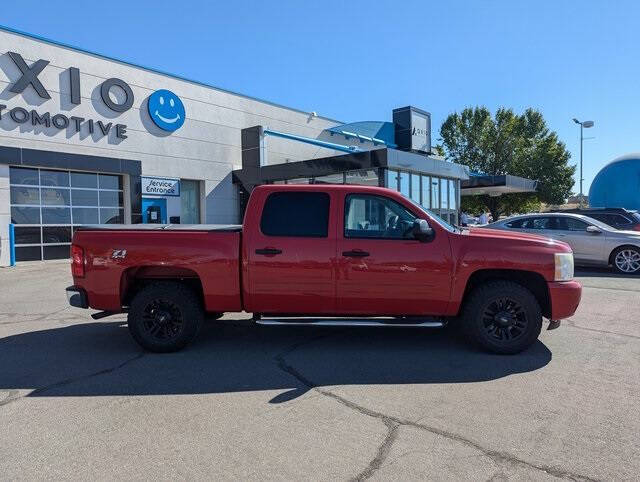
516 224
300 214
539 223
571 224
613 219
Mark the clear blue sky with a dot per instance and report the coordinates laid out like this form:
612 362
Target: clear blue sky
358 60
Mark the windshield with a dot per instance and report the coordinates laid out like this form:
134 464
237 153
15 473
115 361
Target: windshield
449 227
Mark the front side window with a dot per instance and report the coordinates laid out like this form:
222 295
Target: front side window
368 216
571 224
298 214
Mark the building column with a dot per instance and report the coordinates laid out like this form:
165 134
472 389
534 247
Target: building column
5 215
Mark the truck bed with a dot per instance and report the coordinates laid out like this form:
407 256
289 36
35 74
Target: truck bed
120 255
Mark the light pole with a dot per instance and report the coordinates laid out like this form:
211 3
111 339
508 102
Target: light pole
583 125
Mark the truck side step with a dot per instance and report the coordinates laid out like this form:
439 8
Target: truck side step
384 322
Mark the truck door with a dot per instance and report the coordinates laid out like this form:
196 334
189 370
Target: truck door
381 268
291 251
586 246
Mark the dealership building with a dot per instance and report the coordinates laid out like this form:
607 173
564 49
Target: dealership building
88 139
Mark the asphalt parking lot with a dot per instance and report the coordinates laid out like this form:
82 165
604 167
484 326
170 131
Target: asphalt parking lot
79 400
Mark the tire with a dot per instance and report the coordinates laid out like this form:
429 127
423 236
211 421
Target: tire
165 317
626 260
502 317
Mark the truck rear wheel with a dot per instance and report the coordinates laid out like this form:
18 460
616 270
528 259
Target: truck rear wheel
503 317
165 317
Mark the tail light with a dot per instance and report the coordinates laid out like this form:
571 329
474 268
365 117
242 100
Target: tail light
77 261
636 227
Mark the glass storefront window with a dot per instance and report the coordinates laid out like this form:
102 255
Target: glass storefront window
25 195
108 181
55 197
83 179
426 194
453 195
330 179
363 178
54 178
27 235
391 179
110 198
444 196
56 216
404 184
435 193
24 175
111 216
189 201
25 215
85 215
415 187
47 205
84 197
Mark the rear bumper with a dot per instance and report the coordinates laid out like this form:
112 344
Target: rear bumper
77 297
564 297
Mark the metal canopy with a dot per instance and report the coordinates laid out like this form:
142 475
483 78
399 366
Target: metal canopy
496 185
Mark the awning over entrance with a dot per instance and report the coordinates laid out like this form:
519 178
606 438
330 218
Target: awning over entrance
496 185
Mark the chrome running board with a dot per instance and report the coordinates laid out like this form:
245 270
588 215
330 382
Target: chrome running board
387 323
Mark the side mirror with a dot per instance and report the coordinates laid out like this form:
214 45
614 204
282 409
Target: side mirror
421 230
593 229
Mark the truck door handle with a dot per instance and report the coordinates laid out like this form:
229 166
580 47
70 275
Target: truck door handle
268 251
356 253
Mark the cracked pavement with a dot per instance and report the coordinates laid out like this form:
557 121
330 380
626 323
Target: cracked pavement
79 400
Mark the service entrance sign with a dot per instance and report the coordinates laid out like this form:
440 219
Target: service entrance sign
160 186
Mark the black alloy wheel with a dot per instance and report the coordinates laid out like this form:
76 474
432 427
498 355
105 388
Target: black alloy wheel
162 320
165 316
505 319
502 317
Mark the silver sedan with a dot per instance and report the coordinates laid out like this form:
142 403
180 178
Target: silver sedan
593 243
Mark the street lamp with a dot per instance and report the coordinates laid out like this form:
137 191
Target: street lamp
583 125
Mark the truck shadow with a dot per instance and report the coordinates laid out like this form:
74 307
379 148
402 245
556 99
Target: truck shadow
100 359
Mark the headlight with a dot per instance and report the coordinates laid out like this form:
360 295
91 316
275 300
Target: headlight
564 266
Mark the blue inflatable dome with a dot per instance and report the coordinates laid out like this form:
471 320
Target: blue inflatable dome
617 185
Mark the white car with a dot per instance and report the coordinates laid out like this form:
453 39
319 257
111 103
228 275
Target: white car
593 243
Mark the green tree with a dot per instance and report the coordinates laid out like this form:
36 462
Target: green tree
521 145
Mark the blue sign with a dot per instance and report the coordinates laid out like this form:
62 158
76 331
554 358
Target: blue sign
166 110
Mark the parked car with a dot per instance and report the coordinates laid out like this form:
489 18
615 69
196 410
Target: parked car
351 255
593 242
618 218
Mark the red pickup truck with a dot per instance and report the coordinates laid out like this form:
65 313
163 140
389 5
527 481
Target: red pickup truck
325 255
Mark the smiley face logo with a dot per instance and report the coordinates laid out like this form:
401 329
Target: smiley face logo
166 110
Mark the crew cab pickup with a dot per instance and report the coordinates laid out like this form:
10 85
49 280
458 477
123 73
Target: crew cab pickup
325 255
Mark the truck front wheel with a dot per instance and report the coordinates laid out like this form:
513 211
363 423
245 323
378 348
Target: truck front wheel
502 316
165 317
